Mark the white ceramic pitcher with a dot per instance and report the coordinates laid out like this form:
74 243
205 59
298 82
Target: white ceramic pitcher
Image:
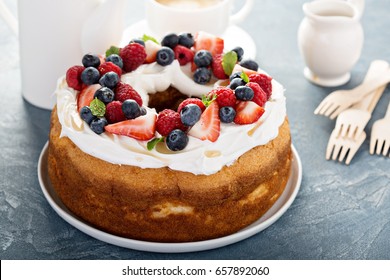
330 39
55 34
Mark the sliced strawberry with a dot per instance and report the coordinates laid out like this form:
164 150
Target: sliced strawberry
239 68
209 42
151 49
217 67
193 66
209 125
85 96
248 112
102 58
142 128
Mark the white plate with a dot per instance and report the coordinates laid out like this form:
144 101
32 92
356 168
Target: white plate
234 36
273 214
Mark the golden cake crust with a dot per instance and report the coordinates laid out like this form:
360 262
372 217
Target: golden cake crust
160 204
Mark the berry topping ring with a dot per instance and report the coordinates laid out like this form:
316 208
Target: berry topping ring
109 105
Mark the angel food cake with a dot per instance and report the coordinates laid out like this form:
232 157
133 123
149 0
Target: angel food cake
171 141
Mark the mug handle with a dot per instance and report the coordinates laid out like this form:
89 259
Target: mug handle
8 17
241 14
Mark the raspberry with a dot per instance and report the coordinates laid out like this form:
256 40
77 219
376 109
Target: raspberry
167 121
114 112
191 101
73 77
264 82
217 67
108 67
183 54
133 55
260 97
125 91
225 97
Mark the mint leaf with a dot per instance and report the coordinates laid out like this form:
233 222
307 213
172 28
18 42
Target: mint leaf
152 143
245 77
147 37
98 108
207 100
229 60
112 50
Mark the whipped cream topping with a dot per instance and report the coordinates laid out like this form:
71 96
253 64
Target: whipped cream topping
199 157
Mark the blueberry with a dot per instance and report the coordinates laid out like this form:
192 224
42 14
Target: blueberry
244 93
239 51
202 75
203 58
190 114
86 114
116 59
138 41
227 114
91 60
186 40
236 82
171 41
104 94
90 76
143 111
165 56
176 140
250 64
97 125
235 75
110 80
131 109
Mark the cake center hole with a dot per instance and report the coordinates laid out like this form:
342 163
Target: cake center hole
169 99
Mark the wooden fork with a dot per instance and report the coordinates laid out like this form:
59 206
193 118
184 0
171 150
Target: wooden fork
351 122
340 100
341 146
380 135
349 135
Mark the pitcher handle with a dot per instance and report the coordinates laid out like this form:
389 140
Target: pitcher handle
241 14
9 18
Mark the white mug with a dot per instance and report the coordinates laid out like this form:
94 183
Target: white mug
55 34
212 16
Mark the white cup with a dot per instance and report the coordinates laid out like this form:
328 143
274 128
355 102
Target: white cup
212 16
55 34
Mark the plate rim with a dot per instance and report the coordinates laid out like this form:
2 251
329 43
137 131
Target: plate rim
183 247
